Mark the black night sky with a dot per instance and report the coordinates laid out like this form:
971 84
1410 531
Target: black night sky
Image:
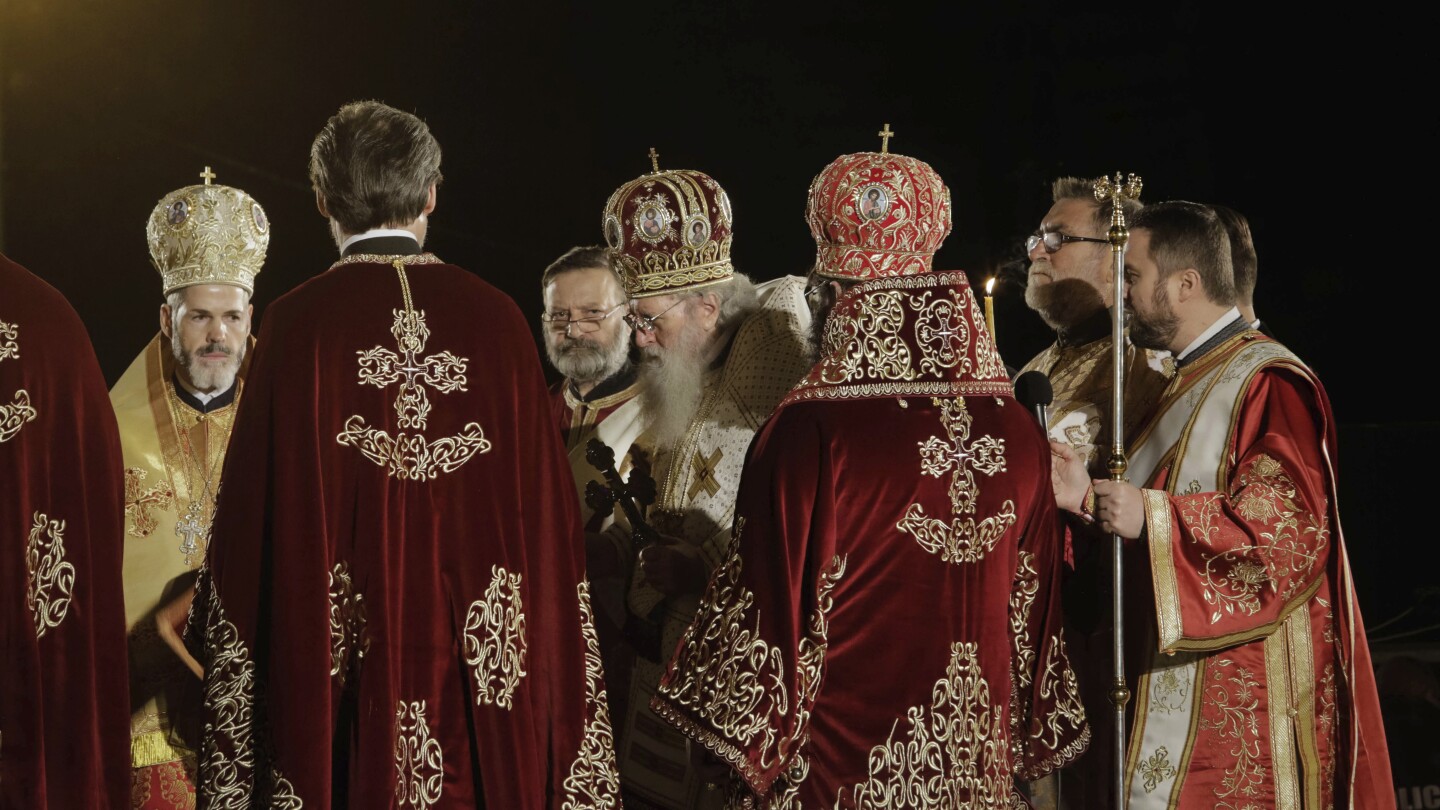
543 109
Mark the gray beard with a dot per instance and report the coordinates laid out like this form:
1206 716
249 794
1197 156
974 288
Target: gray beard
672 387
583 360
1063 304
212 379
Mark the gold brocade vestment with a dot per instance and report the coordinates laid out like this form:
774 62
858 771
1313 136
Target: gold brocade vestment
168 506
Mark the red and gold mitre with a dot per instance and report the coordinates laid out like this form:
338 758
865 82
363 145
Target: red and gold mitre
877 215
208 234
669 231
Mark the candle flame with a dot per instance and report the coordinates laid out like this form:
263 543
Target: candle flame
990 285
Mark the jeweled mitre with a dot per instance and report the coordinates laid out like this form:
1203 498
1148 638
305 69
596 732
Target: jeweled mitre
669 231
877 215
208 234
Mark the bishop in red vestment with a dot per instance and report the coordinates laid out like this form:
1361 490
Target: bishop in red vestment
395 612
885 630
64 702
1254 686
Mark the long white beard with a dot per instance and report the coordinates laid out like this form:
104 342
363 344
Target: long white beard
673 384
587 361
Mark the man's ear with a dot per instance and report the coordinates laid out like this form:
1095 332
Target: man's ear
165 321
708 309
320 204
430 201
1188 284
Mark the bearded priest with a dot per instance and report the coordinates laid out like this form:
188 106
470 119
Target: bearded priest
718 352
394 610
176 405
886 623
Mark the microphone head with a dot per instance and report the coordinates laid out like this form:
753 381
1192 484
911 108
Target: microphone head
1033 389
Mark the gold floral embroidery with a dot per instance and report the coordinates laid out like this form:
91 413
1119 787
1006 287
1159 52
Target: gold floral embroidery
1062 729
1231 700
953 753
348 642
419 762
1022 600
871 336
9 343
593 782
410 456
1327 722
962 540
735 681
15 415
227 763
1157 769
51 579
139 501
1170 689
495 643
785 792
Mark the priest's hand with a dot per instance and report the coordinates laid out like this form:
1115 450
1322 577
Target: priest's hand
1068 477
1119 509
670 570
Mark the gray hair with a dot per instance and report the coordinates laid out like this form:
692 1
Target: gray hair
1080 188
374 166
738 301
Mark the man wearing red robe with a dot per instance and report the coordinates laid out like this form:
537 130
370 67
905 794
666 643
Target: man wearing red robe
885 630
64 702
1255 687
394 612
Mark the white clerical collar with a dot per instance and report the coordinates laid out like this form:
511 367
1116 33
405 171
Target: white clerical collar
1255 324
1223 321
204 399
374 232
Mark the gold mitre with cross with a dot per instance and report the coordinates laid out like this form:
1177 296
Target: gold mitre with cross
669 231
208 234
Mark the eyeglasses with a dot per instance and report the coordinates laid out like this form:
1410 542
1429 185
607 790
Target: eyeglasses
561 321
1054 240
646 323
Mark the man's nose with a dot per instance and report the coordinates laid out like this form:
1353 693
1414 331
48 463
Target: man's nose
643 338
216 332
1037 252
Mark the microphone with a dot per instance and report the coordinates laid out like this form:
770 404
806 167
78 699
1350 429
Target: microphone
1033 390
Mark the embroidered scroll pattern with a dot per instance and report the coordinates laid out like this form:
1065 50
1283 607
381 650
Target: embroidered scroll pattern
867 345
348 641
411 456
51 579
227 759
594 781
139 501
735 681
19 411
1170 690
963 540
1290 547
1022 600
495 643
1058 725
1230 699
419 762
953 753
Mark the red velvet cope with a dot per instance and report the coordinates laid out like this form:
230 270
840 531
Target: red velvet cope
324 561
865 611
64 700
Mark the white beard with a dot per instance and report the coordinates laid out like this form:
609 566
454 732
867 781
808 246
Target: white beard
206 377
583 360
673 384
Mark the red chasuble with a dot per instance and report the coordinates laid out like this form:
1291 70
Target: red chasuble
886 629
1255 683
64 700
394 612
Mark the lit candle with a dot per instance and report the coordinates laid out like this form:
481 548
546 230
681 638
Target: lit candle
990 307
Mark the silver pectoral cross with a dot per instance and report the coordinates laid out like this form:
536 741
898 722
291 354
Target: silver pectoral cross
191 528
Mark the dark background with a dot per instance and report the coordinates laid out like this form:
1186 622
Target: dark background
1317 127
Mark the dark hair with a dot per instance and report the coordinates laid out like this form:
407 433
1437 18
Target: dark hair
1243 261
374 165
1186 234
579 258
1079 188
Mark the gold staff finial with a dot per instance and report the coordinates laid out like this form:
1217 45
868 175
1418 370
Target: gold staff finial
885 135
208 175
654 161
1116 191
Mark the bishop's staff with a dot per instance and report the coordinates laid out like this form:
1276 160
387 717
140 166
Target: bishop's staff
1117 192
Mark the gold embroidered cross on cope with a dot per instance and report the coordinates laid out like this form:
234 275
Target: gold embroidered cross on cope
705 473
139 502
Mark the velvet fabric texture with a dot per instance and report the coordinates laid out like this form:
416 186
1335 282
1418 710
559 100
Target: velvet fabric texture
64 718
888 621
395 610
